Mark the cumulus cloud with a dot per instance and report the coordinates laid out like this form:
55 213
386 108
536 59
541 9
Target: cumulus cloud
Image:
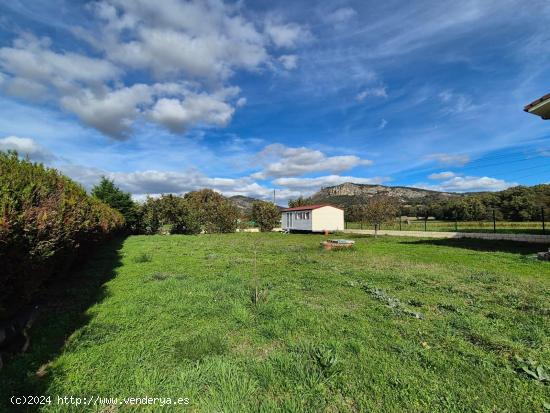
449 159
178 115
283 161
375 91
26 147
32 59
470 184
111 112
198 38
442 175
155 182
201 42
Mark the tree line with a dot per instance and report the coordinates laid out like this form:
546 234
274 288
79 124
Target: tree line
520 203
195 212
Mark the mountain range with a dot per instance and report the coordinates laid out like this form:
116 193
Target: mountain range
350 193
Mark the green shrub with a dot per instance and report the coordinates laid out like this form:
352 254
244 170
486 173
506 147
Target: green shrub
143 257
214 212
171 211
266 215
45 220
106 191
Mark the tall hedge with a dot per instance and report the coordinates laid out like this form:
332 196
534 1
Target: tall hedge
45 221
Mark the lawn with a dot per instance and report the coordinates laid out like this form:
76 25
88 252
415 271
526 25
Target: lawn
270 322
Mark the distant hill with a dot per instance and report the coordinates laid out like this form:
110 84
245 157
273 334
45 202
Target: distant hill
349 193
244 203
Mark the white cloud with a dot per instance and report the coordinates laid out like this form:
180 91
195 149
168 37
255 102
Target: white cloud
470 184
442 175
32 59
178 115
198 38
340 16
289 61
383 124
111 112
154 183
283 161
26 147
286 35
202 42
455 103
375 91
449 159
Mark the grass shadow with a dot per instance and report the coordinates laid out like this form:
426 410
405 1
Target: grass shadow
63 305
513 247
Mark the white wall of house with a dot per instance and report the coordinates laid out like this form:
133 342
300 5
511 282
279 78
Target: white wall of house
299 220
327 218
319 219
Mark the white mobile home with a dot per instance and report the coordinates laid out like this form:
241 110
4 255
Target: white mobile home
314 218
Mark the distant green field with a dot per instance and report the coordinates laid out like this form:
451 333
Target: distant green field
270 322
461 226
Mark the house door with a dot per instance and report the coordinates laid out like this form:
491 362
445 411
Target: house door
289 220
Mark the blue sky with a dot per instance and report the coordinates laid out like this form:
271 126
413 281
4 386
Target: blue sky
247 97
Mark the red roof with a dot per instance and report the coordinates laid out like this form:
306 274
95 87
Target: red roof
309 207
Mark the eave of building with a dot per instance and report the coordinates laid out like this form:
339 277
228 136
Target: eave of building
540 107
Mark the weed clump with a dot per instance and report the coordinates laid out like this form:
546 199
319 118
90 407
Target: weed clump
392 302
533 370
143 257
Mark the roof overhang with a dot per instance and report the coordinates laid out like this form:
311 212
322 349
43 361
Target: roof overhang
540 107
309 207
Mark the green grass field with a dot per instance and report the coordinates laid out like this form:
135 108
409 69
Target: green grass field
502 227
270 322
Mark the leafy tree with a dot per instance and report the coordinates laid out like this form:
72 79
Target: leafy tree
177 212
380 209
172 211
355 213
298 202
266 215
215 212
520 204
150 222
107 192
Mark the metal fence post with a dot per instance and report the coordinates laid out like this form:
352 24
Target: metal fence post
543 223
456 221
426 222
400 221
494 222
